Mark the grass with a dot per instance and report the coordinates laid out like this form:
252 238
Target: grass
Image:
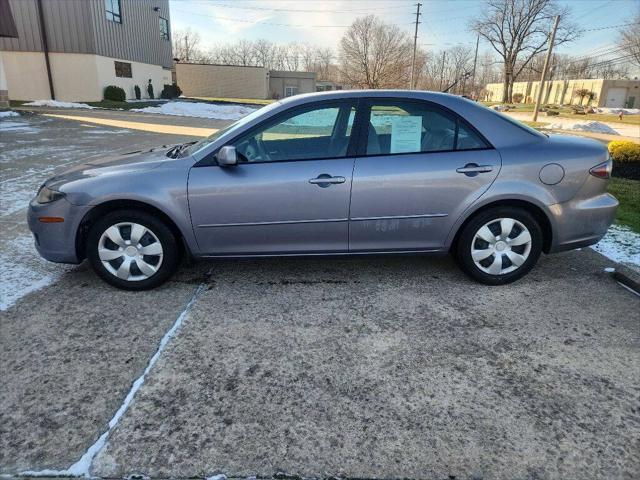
628 194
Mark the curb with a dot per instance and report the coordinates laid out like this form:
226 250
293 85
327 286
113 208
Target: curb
627 277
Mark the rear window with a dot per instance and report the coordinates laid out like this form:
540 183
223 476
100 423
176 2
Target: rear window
518 124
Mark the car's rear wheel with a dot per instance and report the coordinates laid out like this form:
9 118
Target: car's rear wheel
132 250
499 245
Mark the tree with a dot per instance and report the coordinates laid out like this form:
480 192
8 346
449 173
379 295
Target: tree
630 40
518 31
374 54
186 46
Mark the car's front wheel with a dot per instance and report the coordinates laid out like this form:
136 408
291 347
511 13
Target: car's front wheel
499 245
132 250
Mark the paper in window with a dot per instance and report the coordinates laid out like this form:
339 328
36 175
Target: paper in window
406 133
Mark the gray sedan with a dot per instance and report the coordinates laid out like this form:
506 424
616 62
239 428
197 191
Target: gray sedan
350 172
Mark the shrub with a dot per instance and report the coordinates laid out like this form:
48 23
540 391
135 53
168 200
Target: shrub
552 113
624 151
517 97
114 93
136 89
150 90
171 91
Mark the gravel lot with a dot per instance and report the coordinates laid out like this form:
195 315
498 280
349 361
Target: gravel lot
368 367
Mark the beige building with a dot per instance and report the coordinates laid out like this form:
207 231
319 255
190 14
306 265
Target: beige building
71 50
231 81
607 93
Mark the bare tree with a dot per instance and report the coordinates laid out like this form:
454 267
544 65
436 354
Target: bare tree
518 31
630 40
374 54
186 46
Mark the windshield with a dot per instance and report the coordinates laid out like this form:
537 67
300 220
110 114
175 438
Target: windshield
199 145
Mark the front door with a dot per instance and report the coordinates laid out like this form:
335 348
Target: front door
422 166
289 192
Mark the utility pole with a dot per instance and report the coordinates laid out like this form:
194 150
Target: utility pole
415 45
546 66
444 55
475 62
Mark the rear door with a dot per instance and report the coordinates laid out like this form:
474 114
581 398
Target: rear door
419 167
289 192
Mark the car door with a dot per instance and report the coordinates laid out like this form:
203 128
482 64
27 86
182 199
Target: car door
289 192
418 168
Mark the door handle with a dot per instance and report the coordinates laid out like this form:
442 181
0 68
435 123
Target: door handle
473 169
326 180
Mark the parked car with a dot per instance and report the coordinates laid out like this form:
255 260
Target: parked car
333 173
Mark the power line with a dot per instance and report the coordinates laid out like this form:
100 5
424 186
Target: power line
229 19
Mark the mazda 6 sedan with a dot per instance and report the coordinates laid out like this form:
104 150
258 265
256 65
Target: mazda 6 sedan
336 173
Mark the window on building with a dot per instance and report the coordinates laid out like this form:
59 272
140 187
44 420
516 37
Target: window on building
164 29
123 69
112 8
290 91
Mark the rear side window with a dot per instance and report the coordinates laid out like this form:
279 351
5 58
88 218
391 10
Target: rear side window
416 127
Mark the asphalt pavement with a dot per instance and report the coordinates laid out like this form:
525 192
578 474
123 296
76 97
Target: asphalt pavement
368 367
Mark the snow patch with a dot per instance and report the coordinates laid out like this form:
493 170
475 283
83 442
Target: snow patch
616 111
198 109
500 108
25 274
57 104
620 244
220 476
21 127
82 467
585 126
9 113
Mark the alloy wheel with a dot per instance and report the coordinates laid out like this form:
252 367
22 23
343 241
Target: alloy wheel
501 246
130 251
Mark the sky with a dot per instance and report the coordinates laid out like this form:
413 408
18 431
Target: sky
444 23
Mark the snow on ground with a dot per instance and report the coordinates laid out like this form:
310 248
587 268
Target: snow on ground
198 109
25 274
9 113
585 126
620 244
22 127
616 111
57 104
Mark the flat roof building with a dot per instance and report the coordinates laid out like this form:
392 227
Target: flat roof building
71 50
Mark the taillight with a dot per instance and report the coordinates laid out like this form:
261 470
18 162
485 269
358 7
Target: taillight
602 170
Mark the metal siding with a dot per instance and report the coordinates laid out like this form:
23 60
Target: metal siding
137 38
81 26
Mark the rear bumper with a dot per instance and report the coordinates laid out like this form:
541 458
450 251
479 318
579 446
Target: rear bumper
581 222
56 242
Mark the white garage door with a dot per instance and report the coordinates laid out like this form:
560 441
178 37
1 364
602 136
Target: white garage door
616 97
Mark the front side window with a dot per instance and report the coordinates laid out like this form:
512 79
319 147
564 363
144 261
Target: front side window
123 69
112 9
322 132
416 127
164 29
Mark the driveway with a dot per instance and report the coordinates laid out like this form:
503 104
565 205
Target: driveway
369 367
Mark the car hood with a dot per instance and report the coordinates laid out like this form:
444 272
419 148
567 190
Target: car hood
135 161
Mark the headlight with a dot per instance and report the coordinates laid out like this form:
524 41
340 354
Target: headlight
46 195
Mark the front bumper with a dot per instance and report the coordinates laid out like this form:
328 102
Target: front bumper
581 222
56 242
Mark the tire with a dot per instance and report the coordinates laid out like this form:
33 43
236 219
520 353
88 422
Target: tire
151 261
507 258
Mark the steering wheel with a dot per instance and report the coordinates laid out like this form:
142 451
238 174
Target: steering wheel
252 149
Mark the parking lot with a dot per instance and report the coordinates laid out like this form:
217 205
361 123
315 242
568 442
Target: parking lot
369 367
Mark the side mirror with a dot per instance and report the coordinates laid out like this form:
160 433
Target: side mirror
227 156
